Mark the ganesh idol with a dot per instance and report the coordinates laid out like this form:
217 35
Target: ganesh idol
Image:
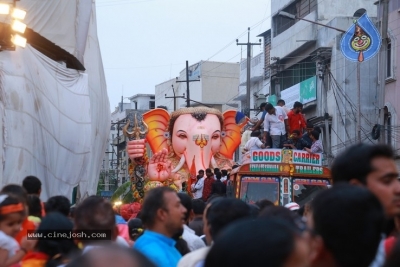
188 140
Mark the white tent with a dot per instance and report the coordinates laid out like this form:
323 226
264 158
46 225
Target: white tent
55 120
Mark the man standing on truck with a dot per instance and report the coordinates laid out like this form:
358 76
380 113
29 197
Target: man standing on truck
276 125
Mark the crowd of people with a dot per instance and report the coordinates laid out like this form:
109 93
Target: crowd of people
356 222
281 127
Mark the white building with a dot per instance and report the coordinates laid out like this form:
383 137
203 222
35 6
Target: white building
217 86
308 56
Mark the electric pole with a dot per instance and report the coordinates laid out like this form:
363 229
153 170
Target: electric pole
174 97
382 67
249 45
187 84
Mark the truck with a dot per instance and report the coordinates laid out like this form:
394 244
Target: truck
281 176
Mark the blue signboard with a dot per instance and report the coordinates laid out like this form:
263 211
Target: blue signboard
362 41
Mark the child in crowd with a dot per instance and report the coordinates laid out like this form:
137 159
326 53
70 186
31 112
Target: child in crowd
135 228
52 252
12 214
19 192
35 209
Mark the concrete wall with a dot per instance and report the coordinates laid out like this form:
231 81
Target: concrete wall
328 10
278 5
218 85
142 102
163 89
195 88
286 42
344 109
256 69
392 94
219 81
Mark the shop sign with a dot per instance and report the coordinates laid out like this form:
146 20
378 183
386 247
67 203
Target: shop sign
264 167
285 156
266 156
303 157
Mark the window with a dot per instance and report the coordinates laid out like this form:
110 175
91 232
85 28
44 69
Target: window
389 59
152 97
300 8
152 104
295 74
267 70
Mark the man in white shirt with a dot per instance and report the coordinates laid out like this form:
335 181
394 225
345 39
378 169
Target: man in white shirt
282 104
254 142
224 175
197 188
275 124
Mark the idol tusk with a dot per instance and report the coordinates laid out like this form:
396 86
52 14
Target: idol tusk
213 162
180 164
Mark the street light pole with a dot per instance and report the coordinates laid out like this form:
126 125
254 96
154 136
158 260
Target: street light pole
359 103
249 45
187 84
382 68
175 97
294 17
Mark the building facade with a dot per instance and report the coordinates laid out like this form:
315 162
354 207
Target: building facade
392 73
308 66
217 86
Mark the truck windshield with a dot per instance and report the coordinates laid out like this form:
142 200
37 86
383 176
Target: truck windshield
305 189
254 188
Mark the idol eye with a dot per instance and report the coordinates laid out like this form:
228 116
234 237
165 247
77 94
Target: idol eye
182 136
215 136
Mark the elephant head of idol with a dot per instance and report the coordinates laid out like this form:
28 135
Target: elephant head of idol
195 135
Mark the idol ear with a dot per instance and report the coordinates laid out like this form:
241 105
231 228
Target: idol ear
157 121
232 137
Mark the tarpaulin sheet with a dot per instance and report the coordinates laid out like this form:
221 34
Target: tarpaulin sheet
55 121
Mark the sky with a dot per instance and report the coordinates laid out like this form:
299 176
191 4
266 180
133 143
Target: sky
146 42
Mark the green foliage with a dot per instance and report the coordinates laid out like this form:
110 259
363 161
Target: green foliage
100 184
123 193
